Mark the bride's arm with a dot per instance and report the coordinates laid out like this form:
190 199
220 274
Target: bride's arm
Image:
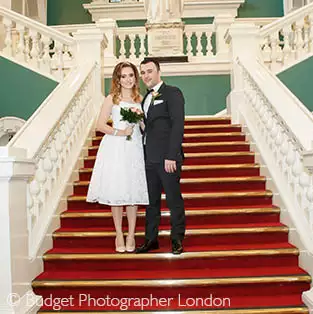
142 125
102 123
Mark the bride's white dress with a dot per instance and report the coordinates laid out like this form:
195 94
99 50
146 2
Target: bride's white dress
118 176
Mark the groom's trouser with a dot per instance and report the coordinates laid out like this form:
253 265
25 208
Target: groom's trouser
156 178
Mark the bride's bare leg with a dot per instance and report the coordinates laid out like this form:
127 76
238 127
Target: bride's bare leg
131 212
117 213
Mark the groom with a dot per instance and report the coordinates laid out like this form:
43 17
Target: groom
163 106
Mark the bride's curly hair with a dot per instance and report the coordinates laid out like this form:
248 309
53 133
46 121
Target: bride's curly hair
116 88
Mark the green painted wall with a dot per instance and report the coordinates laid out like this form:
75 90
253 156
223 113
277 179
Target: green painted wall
201 20
22 91
261 8
72 12
205 94
62 12
299 80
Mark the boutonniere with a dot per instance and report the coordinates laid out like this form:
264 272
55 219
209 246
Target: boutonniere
155 95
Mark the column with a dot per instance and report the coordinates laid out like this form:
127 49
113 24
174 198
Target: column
243 39
15 171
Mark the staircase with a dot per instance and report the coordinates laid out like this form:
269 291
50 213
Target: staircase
237 257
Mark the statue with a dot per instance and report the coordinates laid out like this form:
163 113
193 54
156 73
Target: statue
165 29
164 11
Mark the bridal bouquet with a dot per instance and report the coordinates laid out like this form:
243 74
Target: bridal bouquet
131 115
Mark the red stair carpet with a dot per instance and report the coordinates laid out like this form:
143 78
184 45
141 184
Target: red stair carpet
237 257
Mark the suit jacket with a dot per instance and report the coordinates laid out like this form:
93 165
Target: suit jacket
164 125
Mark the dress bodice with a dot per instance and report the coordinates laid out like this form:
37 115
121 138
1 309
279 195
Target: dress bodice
116 117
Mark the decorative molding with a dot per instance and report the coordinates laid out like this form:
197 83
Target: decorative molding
10 125
127 10
194 9
259 21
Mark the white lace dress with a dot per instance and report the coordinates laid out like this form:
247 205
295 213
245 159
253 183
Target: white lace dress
118 176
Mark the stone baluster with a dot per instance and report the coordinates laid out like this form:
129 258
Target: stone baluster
21 42
142 49
287 33
8 49
34 52
122 38
189 46
299 40
209 47
199 52
132 48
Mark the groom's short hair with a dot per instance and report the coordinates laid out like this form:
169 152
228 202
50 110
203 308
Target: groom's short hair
153 60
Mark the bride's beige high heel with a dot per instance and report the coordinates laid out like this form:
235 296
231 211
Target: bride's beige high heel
117 213
119 243
131 212
130 244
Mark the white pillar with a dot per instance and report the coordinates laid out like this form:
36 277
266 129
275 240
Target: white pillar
42 11
91 44
15 172
244 40
109 28
221 24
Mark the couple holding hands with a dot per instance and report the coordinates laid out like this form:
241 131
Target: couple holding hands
135 172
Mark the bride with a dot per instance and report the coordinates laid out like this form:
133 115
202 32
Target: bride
118 177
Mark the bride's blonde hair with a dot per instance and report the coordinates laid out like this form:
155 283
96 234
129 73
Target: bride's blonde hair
116 87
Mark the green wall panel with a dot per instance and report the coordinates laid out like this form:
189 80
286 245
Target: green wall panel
22 91
261 8
198 20
204 20
299 80
132 23
62 12
72 12
204 95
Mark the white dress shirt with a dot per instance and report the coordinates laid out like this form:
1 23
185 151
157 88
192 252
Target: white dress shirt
149 98
147 102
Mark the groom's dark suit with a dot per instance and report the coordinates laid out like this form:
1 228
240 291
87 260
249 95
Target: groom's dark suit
164 129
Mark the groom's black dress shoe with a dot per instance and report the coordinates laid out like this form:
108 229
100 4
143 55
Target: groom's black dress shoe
149 245
177 247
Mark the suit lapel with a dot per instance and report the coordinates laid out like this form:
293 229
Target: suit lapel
143 104
143 101
150 109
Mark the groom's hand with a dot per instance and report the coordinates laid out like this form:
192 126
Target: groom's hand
170 165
